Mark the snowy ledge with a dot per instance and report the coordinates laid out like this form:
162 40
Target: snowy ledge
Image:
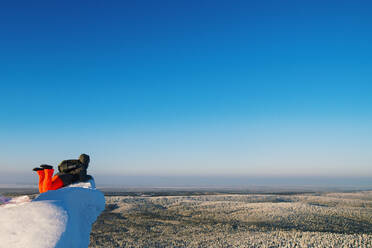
58 218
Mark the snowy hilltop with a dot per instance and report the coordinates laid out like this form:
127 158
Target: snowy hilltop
60 218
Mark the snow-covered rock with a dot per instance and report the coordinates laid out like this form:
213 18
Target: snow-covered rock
58 218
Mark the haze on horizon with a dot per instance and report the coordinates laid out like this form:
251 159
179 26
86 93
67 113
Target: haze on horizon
187 88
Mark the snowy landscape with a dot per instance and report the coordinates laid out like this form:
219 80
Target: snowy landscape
185 124
236 220
185 219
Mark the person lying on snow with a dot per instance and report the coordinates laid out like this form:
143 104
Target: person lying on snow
70 171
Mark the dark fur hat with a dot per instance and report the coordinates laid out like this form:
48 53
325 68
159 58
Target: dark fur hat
84 159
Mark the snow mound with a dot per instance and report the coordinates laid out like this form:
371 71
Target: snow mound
58 218
10 202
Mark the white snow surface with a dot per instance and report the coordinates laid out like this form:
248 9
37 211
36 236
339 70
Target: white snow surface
60 218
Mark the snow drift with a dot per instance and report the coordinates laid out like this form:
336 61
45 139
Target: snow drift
58 218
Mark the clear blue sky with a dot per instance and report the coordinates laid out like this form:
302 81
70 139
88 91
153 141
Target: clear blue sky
187 87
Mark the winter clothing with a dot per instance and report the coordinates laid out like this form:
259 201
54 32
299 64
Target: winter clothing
47 181
84 159
70 171
76 167
45 166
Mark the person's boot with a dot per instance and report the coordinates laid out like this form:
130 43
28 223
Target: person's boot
45 166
